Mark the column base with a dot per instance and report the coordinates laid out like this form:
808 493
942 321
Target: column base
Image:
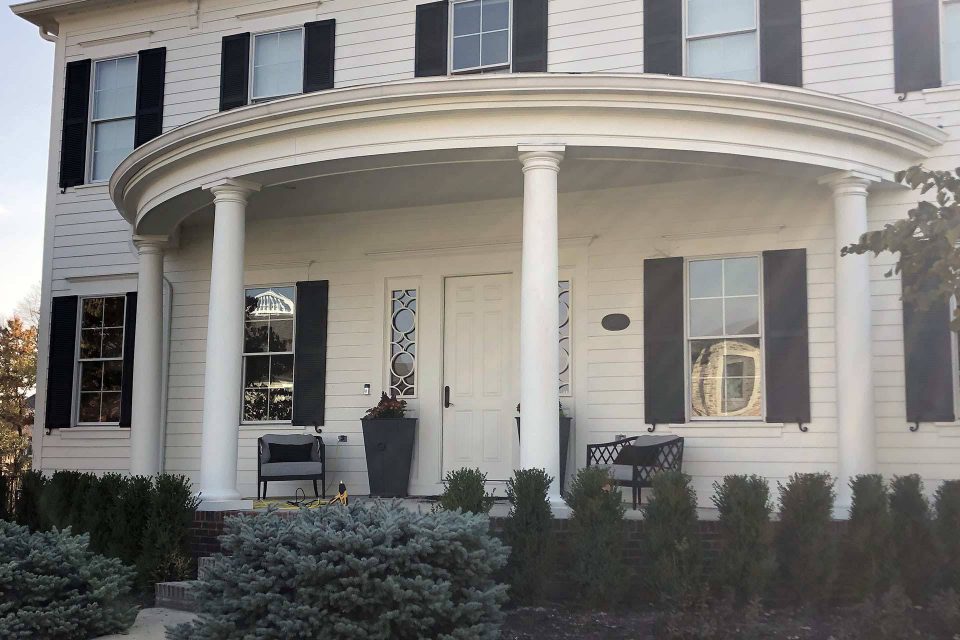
225 505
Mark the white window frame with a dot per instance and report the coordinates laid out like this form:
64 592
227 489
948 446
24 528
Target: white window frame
252 66
943 45
687 38
400 284
77 360
246 354
490 68
688 382
92 122
570 324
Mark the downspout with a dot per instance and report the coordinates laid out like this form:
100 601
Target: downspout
165 368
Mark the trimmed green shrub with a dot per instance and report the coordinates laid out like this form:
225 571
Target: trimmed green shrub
465 489
528 532
596 537
27 510
164 551
945 608
865 563
370 570
915 548
58 498
745 560
130 521
947 504
52 586
886 617
805 545
6 484
672 546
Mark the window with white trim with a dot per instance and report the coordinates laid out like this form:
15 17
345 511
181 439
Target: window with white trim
563 298
268 345
100 359
112 115
403 342
480 35
722 39
724 337
277 64
950 33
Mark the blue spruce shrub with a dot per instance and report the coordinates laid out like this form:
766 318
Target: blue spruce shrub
371 570
52 586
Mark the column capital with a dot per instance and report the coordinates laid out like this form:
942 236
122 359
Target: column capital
849 182
541 156
147 244
233 189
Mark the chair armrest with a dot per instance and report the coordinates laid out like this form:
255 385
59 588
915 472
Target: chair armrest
606 452
322 448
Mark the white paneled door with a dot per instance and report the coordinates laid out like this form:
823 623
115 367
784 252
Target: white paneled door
479 398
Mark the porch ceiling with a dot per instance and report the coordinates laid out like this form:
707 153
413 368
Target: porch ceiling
454 139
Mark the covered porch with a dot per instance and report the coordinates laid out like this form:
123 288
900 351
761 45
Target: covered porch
493 189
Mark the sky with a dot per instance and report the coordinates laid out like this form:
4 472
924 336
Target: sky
26 66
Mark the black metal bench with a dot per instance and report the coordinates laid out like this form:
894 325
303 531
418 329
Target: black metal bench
640 459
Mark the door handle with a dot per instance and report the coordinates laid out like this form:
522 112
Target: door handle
446 397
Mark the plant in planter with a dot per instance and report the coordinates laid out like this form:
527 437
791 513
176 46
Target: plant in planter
564 434
388 438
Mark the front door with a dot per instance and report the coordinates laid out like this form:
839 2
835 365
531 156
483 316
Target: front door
479 430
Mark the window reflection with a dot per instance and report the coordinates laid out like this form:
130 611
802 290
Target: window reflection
268 354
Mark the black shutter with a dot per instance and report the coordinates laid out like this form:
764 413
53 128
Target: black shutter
76 111
663 375
129 341
151 77
916 44
928 356
318 55
60 362
310 359
780 42
234 71
431 39
663 37
529 35
786 338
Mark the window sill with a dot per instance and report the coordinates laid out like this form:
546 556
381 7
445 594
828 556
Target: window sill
259 426
724 428
100 432
100 185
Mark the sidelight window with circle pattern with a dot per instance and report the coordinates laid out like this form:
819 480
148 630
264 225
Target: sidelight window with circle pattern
403 343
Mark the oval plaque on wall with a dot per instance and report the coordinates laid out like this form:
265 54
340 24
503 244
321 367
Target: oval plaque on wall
615 322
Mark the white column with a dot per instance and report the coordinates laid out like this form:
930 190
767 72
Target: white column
146 430
539 314
224 361
854 349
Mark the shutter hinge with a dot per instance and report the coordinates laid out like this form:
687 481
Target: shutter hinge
915 427
803 428
652 427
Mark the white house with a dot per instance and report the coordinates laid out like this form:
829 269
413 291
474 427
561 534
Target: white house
260 214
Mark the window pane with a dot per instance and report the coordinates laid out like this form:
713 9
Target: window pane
112 343
706 317
495 48
466 52
257 371
115 88
112 142
90 341
742 316
277 64
740 277
256 337
951 42
89 407
725 57
466 18
110 407
725 377
706 279
113 375
403 342
281 335
281 404
281 371
113 312
720 16
496 14
92 313
254 405
91 376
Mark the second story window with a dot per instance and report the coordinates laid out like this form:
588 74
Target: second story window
950 30
114 110
277 64
480 35
722 39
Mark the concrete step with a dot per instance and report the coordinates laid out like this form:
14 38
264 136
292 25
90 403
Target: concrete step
204 565
176 595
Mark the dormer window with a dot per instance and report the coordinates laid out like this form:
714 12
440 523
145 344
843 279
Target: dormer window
277 64
480 39
722 40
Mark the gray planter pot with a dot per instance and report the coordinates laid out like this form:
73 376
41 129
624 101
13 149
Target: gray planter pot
388 444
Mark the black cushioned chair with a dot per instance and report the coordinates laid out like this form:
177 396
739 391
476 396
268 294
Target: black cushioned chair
301 457
633 462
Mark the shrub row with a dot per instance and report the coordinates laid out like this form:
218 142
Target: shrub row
143 521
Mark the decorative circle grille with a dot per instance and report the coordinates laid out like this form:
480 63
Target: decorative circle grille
403 342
